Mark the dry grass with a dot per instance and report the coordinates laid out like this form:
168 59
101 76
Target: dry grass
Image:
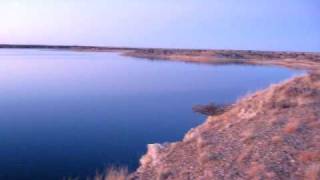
113 174
244 154
305 156
291 126
255 170
247 135
207 157
313 172
277 139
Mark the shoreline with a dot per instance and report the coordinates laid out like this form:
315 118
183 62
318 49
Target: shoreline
218 149
247 141
296 60
141 49
273 122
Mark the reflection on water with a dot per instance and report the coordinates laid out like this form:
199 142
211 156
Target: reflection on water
70 113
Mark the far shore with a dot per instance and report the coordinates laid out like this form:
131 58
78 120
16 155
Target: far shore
296 60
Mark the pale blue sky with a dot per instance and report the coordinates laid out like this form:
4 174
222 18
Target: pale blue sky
218 24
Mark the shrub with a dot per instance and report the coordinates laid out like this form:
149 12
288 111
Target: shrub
210 109
113 174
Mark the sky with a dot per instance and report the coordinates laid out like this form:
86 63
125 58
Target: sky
292 25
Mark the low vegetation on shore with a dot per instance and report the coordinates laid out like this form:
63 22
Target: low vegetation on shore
210 109
298 60
113 174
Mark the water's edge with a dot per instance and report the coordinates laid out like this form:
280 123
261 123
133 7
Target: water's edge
306 61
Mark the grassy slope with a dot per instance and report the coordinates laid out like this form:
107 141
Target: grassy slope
272 134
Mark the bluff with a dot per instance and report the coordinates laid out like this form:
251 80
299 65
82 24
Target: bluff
271 134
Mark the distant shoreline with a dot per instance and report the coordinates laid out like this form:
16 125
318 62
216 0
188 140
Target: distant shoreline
61 47
296 60
108 48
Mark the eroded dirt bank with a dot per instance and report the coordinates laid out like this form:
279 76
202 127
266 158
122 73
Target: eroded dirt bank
272 134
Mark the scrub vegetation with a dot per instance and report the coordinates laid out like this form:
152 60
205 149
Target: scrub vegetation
113 174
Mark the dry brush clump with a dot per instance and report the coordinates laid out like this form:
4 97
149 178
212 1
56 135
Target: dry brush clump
113 173
210 109
291 126
313 172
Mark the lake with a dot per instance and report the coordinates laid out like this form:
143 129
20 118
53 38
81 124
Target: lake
68 114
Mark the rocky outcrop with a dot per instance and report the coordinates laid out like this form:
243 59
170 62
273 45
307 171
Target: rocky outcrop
272 134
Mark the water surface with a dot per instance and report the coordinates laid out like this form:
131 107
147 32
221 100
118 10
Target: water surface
70 113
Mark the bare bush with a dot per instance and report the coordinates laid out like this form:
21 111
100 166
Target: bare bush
210 109
113 174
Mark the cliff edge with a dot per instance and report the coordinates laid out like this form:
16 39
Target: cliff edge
272 134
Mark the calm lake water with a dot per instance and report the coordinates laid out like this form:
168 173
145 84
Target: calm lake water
68 114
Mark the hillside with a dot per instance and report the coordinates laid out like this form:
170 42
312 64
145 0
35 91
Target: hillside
272 134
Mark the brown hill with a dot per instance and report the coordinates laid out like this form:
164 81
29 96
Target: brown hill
272 134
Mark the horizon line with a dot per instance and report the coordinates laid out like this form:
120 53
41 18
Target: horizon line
98 47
